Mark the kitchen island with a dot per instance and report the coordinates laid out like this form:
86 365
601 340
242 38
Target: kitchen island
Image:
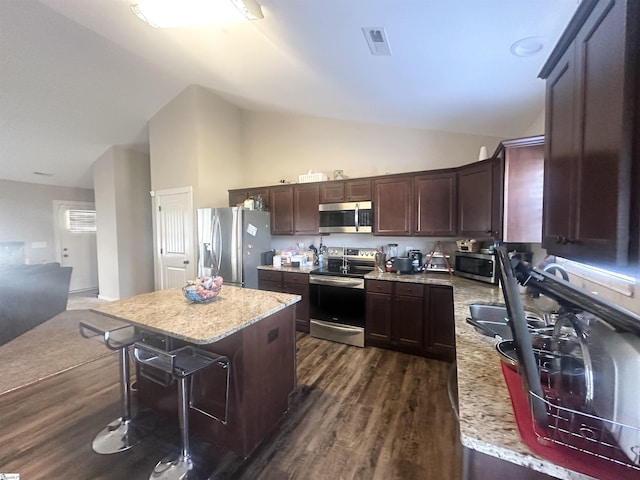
254 329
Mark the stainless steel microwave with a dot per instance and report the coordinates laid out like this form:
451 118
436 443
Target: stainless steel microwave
347 217
478 266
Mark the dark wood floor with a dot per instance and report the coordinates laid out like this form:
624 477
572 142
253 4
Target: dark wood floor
357 414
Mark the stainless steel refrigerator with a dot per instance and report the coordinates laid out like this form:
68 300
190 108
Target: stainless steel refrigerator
230 241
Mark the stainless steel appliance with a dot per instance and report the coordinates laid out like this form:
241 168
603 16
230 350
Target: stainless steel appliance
584 392
478 266
230 241
337 296
348 217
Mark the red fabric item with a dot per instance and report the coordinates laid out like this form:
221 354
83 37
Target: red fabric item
556 453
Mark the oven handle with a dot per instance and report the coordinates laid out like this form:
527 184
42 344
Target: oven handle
337 282
336 326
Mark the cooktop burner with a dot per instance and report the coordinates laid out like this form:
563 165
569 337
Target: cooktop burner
348 262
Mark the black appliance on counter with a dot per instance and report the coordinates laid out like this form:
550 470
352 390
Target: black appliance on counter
337 296
581 373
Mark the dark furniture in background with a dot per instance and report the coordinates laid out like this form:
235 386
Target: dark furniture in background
31 295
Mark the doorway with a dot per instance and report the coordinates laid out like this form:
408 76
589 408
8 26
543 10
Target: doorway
75 239
173 217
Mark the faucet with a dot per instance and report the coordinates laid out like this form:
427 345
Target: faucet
552 268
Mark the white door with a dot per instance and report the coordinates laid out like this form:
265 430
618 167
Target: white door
76 243
175 237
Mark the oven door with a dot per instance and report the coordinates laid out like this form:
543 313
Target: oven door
337 309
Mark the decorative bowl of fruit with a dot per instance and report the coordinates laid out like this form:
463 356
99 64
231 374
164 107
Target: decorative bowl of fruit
203 289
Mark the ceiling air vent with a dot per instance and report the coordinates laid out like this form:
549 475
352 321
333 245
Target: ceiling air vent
377 40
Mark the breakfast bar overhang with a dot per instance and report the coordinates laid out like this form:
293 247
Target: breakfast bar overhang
254 329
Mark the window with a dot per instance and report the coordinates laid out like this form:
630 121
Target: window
81 221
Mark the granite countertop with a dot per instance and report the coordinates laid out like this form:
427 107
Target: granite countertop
167 312
487 423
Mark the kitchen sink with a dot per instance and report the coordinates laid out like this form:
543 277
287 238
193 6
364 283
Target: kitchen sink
493 321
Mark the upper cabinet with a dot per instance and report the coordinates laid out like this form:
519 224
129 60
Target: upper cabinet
523 161
591 184
393 205
345 191
435 203
478 196
294 209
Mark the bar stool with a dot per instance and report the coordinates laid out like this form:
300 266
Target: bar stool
182 364
123 432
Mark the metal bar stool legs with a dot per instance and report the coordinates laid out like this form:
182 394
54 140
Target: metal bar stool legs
123 432
182 363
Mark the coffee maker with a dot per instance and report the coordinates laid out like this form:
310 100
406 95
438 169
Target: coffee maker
416 255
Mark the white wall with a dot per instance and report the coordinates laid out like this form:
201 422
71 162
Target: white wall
125 240
26 215
195 140
537 127
282 146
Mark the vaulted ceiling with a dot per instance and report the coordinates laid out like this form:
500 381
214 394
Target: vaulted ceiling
78 76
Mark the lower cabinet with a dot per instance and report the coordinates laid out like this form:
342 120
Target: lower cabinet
410 317
289 282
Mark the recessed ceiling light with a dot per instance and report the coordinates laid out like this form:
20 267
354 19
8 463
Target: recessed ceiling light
527 47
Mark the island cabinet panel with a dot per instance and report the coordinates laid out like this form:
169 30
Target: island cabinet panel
306 220
262 368
281 204
436 204
475 200
440 332
592 126
393 205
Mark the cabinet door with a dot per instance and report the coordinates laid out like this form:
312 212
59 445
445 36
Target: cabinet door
305 209
560 157
281 202
407 321
436 203
475 185
332 192
523 187
378 319
237 197
392 206
357 190
270 280
439 319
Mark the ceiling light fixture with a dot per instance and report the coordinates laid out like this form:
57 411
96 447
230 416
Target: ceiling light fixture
182 13
527 47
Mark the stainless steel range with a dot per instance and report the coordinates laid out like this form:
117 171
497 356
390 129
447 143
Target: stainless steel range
337 296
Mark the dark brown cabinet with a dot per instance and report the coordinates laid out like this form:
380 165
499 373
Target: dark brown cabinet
281 202
305 209
289 282
476 200
436 204
410 317
523 161
345 191
393 205
592 128
439 337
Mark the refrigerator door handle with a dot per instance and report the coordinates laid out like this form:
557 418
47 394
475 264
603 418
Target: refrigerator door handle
217 250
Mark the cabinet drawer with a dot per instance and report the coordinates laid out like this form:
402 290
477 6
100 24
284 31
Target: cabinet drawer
298 278
409 289
270 276
378 286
